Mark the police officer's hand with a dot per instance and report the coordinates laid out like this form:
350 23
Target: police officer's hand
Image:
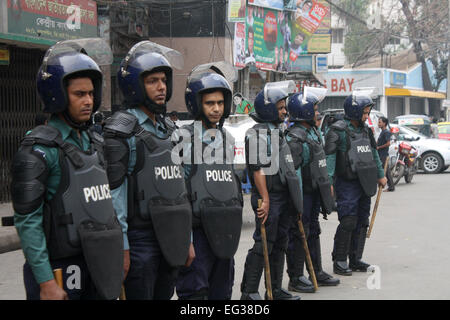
126 263
191 255
263 211
382 182
51 291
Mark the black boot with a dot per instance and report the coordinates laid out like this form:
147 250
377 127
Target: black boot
323 278
342 240
295 258
356 264
254 265
276 261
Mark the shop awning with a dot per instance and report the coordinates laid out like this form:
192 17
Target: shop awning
395 92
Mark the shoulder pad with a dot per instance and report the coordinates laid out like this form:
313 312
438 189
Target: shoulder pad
339 125
94 135
121 122
44 134
297 133
29 174
171 126
261 125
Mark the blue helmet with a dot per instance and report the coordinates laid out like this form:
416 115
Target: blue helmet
51 80
354 106
266 104
301 109
206 82
133 69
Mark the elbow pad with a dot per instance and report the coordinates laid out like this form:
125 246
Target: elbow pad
29 177
331 142
116 156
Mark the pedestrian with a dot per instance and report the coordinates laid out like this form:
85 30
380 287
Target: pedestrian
270 185
215 190
63 210
306 145
148 189
383 144
352 159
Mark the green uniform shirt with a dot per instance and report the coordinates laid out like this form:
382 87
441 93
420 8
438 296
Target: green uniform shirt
30 226
342 146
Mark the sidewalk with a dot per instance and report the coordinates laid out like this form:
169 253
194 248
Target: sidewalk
9 240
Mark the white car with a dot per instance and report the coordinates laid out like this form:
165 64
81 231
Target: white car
434 153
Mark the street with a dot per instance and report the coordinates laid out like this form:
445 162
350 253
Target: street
408 246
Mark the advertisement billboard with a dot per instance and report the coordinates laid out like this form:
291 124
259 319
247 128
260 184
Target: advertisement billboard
53 20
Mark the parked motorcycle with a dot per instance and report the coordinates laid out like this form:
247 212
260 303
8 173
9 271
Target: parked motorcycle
405 163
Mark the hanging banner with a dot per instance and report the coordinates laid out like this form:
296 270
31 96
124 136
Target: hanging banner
53 20
239 45
320 41
236 10
275 41
271 4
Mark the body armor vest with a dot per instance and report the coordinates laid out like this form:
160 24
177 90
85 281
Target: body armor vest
160 196
315 175
357 162
286 179
80 217
217 202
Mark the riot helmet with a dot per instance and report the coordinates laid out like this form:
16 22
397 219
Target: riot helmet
208 78
301 106
354 104
145 58
266 100
67 60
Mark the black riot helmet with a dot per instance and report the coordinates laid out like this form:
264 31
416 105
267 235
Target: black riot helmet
145 58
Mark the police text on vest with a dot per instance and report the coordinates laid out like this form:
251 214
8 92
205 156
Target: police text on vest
96 193
219 175
168 172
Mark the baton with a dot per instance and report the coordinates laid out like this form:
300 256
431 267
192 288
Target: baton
308 256
122 294
375 208
266 257
57 273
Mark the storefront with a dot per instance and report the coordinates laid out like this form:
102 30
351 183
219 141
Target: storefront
394 92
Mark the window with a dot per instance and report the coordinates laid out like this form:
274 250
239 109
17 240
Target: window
337 35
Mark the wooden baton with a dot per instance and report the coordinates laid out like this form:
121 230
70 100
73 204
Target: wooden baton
57 273
266 257
375 208
308 256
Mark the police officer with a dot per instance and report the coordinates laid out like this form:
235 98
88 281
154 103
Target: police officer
148 189
63 210
306 144
215 189
352 159
270 184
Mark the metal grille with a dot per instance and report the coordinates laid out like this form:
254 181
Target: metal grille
19 104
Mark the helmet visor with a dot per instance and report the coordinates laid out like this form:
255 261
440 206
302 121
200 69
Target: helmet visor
95 48
174 57
318 93
223 68
275 91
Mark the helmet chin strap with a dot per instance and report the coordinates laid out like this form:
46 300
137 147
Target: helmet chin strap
154 107
73 123
209 124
